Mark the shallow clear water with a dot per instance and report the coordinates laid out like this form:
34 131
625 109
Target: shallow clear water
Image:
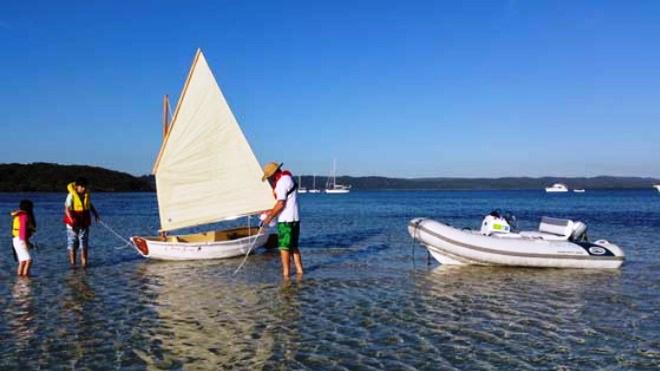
365 302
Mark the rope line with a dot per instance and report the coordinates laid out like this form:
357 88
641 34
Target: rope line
256 237
127 242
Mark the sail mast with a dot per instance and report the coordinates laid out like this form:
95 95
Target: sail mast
334 173
166 116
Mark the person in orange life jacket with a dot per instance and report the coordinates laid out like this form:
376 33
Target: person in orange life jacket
77 217
23 227
286 211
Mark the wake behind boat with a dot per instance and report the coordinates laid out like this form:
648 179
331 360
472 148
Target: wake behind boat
559 243
205 173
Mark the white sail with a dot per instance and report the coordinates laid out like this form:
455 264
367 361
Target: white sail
206 171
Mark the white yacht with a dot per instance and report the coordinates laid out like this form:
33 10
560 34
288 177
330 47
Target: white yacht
337 189
657 186
301 189
331 187
581 190
557 187
314 189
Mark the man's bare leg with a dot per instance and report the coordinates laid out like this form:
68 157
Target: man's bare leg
285 256
19 270
297 260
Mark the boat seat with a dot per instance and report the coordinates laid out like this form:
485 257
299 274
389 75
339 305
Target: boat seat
556 226
543 236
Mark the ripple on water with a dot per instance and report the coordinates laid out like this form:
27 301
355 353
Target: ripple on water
363 304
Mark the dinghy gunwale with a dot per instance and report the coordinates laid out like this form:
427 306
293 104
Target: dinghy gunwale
159 249
251 231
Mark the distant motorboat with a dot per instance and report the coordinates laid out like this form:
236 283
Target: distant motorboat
579 190
559 243
557 187
657 187
331 186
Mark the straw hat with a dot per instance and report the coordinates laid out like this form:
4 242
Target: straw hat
270 169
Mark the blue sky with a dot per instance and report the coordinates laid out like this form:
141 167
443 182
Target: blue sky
410 89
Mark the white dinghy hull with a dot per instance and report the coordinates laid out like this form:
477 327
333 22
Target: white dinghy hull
201 246
450 245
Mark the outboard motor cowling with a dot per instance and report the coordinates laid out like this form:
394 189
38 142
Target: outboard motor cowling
579 233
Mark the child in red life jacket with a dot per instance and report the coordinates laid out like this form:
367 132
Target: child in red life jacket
77 217
23 226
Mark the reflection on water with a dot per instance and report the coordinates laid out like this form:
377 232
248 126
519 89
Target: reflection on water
514 317
205 318
365 302
21 316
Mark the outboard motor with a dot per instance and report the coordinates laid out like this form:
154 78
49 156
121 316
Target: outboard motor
493 223
512 220
579 233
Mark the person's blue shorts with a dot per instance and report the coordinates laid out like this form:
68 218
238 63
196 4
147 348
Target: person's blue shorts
77 237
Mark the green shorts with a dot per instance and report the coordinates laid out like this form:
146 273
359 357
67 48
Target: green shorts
288 234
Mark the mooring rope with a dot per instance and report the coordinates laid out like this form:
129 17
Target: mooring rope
254 242
127 242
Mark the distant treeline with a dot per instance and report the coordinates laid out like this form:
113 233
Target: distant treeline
46 177
509 183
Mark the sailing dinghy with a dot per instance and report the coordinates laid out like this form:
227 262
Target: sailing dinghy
205 173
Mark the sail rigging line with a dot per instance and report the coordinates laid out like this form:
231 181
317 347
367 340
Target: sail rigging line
247 254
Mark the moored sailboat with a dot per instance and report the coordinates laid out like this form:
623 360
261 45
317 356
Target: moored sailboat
301 189
314 189
331 186
205 173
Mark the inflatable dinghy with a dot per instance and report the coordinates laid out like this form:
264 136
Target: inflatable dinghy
559 243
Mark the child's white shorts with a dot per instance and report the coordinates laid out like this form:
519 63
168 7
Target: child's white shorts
21 250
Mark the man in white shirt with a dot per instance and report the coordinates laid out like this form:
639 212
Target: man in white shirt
285 191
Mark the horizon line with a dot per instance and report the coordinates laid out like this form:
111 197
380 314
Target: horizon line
370 176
